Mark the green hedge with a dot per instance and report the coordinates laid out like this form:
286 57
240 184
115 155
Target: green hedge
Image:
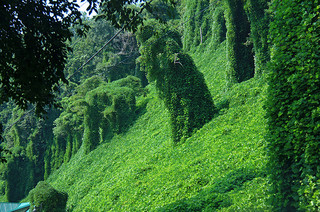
293 107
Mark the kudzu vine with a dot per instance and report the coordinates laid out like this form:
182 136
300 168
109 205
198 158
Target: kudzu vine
180 84
293 106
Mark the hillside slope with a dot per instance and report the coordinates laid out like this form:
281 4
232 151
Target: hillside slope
221 167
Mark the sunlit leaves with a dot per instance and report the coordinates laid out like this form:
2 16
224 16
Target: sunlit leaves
293 102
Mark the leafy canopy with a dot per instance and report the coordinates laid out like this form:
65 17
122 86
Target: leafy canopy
33 49
123 13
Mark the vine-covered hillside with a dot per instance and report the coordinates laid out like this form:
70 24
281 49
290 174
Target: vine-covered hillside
206 106
222 166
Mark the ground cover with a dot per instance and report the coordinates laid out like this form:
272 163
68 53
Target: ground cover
221 167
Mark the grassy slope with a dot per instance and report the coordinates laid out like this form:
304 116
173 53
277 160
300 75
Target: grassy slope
220 167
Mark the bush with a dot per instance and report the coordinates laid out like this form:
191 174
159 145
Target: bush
47 199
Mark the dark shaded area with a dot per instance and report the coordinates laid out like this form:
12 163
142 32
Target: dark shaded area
33 37
240 48
215 197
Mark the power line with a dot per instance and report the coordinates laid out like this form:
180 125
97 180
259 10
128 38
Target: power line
201 11
94 55
107 43
111 39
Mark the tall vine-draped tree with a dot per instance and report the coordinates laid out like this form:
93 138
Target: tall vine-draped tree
293 107
239 48
180 84
259 27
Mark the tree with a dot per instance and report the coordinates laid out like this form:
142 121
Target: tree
180 84
33 49
121 13
239 48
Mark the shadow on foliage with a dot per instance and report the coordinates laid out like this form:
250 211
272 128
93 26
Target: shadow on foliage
222 106
215 197
141 109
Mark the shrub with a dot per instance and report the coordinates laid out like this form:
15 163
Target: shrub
47 199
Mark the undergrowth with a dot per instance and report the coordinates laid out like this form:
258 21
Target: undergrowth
220 168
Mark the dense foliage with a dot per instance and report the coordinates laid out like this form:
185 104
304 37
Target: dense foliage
293 105
33 46
244 24
127 13
240 54
47 199
27 141
33 49
258 17
109 144
221 167
115 62
204 24
180 84
98 111
41 145
110 110
197 30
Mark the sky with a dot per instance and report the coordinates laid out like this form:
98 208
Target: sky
83 7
